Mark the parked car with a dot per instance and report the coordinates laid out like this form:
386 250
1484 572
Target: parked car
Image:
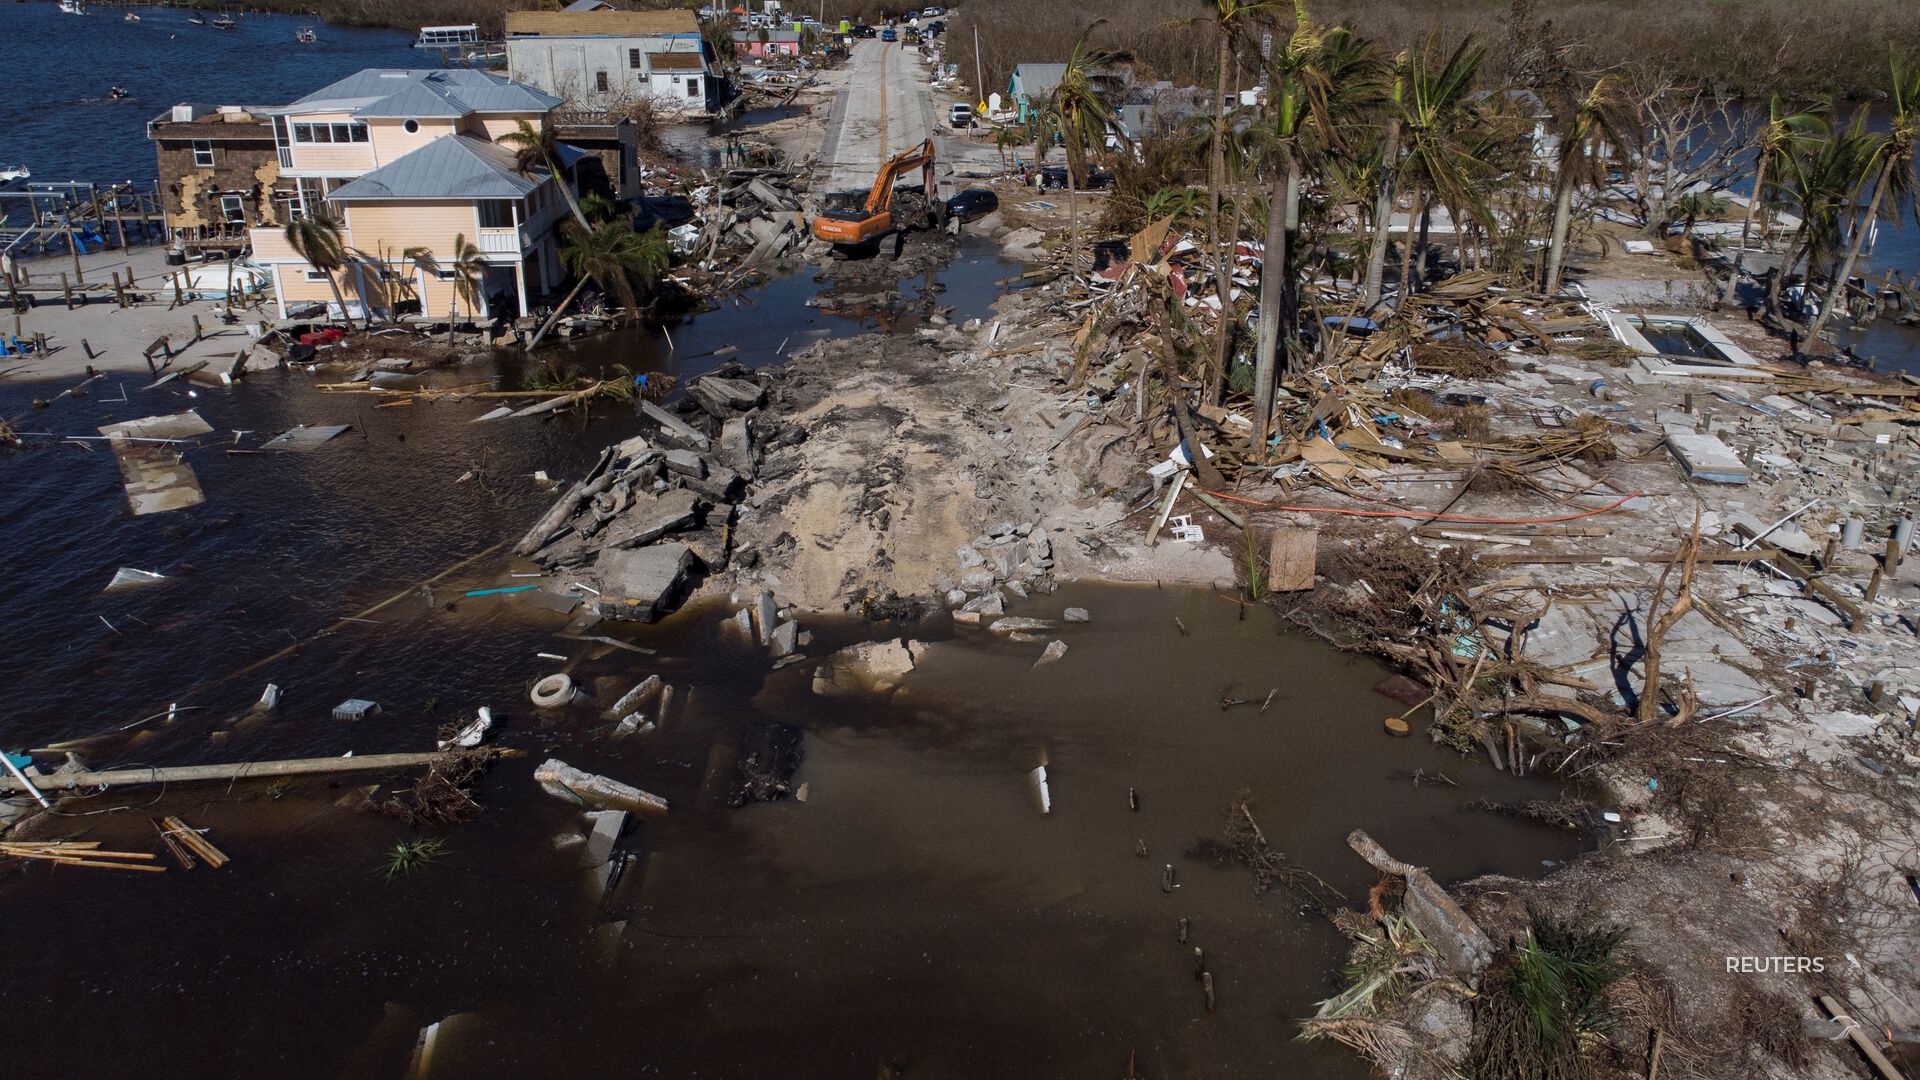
889 35
1055 176
961 116
973 204
936 28
864 31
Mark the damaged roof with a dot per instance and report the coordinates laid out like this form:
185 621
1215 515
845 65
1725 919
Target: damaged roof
451 167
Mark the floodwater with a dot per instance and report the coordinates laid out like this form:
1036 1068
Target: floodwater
916 913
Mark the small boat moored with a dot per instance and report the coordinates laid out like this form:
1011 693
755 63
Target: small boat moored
72 7
224 22
306 36
10 173
196 20
131 17
117 93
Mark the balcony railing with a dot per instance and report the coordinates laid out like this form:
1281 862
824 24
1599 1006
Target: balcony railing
501 241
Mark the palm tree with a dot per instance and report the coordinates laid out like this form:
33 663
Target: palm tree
1315 77
624 263
1228 17
535 148
1891 165
469 267
1443 160
1387 172
1587 124
1819 186
317 239
1774 143
1079 114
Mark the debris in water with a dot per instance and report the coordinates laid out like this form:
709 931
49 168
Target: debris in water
473 734
356 709
304 437
127 578
156 478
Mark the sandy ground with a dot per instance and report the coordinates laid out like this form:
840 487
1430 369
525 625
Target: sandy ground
117 335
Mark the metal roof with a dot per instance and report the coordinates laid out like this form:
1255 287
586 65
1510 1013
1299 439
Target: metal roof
1038 80
429 92
450 167
624 24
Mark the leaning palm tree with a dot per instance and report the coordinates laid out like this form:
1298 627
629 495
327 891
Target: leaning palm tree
1773 145
1892 170
624 263
1587 124
537 148
1228 16
1819 187
1386 173
1314 82
1080 115
317 239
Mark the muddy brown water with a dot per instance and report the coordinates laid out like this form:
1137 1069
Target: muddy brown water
917 913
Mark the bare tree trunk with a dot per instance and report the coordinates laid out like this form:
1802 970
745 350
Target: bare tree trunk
1290 294
1562 224
558 311
1223 275
1415 208
1382 216
339 297
1836 290
1273 274
1787 260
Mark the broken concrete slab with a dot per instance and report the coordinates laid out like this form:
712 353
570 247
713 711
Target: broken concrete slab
604 833
644 691
723 398
736 445
1705 457
1076 615
566 782
686 463
765 611
1054 651
673 429
652 517
1015 624
872 667
642 584
786 639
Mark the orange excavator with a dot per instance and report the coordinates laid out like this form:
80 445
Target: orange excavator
861 218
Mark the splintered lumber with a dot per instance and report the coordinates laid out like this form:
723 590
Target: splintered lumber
1860 1040
198 844
557 517
1457 939
1291 555
178 849
82 853
240 770
565 781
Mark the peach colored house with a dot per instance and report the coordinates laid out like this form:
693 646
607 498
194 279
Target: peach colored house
410 159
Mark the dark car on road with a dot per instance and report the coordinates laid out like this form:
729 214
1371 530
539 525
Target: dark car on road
1055 176
973 204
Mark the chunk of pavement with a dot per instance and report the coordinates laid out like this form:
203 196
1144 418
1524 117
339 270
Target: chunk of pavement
969 558
644 691
1705 457
577 786
722 397
1077 614
673 429
977 581
1562 635
786 639
604 832
765 611
652 517
990 604
1055 650
1015 624
686 463
871 667
719 485
736 445
642 585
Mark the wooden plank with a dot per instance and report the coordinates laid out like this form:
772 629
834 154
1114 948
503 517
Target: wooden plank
1291 551
1652 559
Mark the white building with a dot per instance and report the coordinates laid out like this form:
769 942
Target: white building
598 57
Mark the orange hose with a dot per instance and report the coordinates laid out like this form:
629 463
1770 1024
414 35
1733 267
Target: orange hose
1424 514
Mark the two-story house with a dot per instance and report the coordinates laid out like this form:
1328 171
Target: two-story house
407 159
601 58
218 170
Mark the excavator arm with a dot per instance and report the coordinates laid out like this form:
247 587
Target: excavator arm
872 219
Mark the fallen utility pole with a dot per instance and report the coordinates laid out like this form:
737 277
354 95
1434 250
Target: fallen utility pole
240 770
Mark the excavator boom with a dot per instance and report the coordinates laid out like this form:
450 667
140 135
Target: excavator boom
865 222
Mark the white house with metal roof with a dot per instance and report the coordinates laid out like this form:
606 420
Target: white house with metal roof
410 160
599 57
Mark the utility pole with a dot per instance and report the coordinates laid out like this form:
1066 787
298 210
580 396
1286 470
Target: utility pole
978 73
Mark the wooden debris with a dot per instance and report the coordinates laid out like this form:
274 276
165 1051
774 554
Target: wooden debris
190 838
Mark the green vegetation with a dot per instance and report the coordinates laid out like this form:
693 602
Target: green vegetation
407 856
1545 1005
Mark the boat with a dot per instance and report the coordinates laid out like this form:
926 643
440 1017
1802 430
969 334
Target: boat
10 173
448 37
116 93
72 7
306 36
196 20
224 22
131 17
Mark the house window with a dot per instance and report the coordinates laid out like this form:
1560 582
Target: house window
234 209
330 133
446 275
600 81
633 59
203 153
496 214
316 275
693 88
411 127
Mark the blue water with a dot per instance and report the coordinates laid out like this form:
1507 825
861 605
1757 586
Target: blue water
59 67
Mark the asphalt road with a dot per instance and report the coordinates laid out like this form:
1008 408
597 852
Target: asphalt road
884 107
